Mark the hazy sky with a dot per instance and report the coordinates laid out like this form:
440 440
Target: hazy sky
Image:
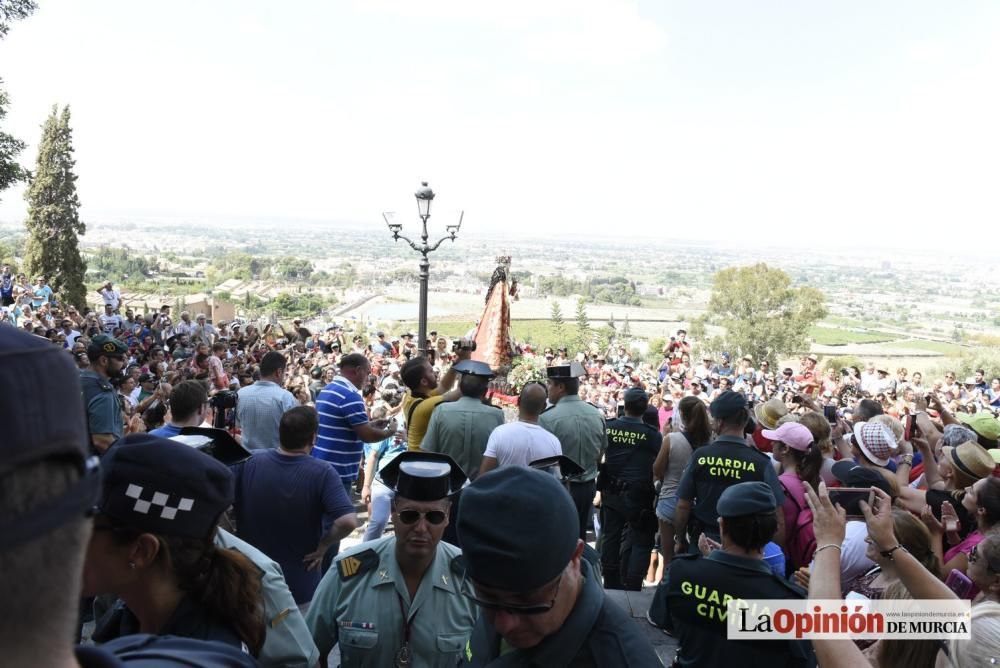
693 119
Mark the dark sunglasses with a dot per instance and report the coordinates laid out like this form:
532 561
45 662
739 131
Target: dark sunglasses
511 609
434 517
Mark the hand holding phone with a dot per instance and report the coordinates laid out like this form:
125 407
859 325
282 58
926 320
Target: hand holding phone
849 498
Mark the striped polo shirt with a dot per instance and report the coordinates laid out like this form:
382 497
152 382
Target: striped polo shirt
340 407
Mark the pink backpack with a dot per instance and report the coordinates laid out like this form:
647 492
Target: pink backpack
800 541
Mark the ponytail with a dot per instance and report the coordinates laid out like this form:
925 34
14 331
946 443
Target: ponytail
223 581
808 464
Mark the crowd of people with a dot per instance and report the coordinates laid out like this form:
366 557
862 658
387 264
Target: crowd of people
493 531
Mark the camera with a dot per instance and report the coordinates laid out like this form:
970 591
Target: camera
224 399
456 345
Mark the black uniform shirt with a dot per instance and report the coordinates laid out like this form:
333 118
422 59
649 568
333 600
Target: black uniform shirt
713 468
697 592
632 448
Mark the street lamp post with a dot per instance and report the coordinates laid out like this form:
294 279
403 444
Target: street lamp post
424 197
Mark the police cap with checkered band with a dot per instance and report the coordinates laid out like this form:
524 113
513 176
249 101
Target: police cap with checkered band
160 486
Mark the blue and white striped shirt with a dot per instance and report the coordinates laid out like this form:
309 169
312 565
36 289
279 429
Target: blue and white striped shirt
340 408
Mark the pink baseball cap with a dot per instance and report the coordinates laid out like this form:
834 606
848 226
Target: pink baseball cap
876 441
794 435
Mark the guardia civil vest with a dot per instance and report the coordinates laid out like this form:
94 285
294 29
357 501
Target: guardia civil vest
698 590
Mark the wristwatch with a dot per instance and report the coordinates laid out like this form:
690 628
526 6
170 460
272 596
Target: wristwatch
906 459
888 553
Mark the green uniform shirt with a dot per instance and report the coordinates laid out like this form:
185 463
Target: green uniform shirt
580 429
358 605
287 642
461 430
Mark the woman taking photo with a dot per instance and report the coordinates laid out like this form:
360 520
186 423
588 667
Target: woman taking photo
675 452
152 547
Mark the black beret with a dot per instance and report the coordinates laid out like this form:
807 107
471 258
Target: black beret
746 498
423 476
727 404
507 543
160 486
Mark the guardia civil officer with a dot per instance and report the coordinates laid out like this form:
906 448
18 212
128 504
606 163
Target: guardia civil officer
541 602
716 467
47 488
628 522
462 428
580 430
104 413
396 601
696 589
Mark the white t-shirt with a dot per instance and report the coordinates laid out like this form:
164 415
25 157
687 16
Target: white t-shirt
853 562
520 443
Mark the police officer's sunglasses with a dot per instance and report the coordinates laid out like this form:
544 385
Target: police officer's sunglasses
434 517
469 592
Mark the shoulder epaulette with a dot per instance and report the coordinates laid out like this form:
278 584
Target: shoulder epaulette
356 564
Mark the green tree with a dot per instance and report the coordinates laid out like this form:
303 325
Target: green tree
558 324
583 331
626 328
10 147
14 10
763 314
53 222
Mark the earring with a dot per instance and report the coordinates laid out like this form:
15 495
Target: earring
131 565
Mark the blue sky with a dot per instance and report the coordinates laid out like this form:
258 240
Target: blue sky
869 120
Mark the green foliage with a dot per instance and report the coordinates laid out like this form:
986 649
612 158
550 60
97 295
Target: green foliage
583 331
10 147
613 289
287 305
965 365
14 10
832 336
293 268
626 328
116 263
764 316
558 324
697 330
53 220
239 265
841 361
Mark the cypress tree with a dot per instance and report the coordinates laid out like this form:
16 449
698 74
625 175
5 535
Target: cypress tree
53 220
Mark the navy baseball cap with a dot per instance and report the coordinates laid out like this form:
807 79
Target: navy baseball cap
43 417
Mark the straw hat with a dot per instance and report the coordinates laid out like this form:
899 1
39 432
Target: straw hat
769 412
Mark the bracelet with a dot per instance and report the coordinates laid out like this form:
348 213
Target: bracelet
906 459
888 553
823 547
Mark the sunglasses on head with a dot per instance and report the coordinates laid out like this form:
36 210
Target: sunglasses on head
511 609
974 557
434 517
